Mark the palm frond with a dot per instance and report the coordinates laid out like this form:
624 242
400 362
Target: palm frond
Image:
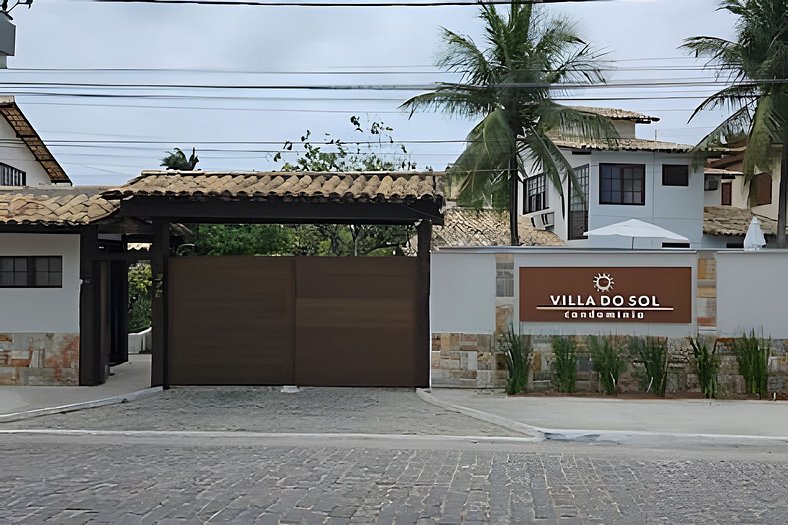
736 125
570 122
734 97
545 157
461 55
454 99
484 162
759 144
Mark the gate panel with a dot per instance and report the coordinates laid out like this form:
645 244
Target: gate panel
231 320
356 320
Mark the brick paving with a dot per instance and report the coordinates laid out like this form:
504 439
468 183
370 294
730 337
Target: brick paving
261 409
230 477
76 481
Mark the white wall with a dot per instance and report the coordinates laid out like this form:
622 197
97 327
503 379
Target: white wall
559 257
42 310
752 293
462 292
15 153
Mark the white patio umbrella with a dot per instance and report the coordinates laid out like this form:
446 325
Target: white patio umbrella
754 240
636 229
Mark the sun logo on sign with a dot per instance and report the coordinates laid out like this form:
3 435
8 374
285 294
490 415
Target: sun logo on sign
603 282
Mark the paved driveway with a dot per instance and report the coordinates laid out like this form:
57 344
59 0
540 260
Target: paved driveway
262 409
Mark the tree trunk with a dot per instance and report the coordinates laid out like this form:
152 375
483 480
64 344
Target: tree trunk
514 186
782 199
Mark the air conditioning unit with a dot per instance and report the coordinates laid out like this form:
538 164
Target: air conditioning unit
711 182
543 220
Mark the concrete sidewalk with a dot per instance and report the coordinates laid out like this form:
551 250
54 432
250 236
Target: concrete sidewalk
690 417
128 377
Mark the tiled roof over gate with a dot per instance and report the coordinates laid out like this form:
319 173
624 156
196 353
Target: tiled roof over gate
54 206
288 186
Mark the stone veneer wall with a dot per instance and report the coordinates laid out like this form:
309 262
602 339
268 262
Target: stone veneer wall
706 293
466 360
470 360
39 359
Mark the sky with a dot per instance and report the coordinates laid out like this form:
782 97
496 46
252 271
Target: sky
80 41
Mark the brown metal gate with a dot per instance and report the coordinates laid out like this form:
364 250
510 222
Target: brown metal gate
311 321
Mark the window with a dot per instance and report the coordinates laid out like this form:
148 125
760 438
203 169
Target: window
622 184
31 272
535 194
763 189
675 175
725 193
10 176
578 204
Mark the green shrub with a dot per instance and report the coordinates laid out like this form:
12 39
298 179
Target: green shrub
517 349
752 356
139 297
705 363
608 361
653 353
564 363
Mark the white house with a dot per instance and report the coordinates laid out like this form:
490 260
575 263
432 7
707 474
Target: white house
655 181
41 222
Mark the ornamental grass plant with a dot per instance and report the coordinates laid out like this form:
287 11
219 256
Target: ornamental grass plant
517 350
705 363
752 355
564 363
653 353
608 361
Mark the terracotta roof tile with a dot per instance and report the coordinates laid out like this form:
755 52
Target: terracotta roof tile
730 220
54 206
617 114
341 187
465 227
621 144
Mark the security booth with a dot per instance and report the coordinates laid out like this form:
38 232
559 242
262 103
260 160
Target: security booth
312 321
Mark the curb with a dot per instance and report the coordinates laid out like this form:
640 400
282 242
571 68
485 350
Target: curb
235 434
84 405
515 426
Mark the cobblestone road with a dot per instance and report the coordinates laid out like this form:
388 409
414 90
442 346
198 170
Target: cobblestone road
83 479
255 409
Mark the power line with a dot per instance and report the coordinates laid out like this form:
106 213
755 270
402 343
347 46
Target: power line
268 3
403 87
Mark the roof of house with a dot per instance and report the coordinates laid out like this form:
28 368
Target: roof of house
730 220
24 130
467 227
293 186
621 144
618 114
54 206
725 174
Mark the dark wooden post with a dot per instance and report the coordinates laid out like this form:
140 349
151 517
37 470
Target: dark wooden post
423 343
159 313
90 372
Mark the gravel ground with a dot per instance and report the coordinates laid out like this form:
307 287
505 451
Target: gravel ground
256 409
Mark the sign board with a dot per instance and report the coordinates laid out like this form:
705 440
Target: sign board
606 294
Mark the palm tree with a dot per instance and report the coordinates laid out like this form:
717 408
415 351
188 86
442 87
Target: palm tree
509 84
176 160
756 64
